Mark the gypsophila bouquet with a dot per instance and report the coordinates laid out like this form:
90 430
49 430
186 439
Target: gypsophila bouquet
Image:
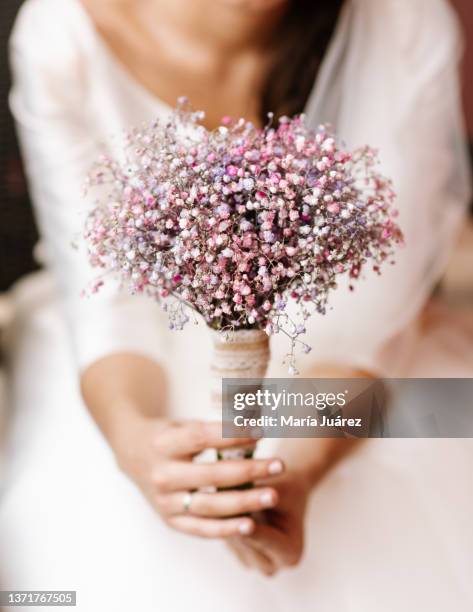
238 222
248 227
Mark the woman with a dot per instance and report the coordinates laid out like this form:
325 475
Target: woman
383 73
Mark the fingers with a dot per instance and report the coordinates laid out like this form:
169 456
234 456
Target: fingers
192 437
278 546
184 476
211 528
220 504
250 557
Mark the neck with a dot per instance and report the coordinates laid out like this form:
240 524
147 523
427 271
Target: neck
223 26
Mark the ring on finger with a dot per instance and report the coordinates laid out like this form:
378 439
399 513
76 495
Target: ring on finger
187 501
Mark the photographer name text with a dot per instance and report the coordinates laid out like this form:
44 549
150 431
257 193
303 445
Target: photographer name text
282 420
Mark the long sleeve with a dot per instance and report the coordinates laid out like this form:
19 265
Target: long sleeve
391 80
60 141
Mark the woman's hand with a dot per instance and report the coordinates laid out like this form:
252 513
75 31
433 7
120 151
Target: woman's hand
277 541
126 395
158 456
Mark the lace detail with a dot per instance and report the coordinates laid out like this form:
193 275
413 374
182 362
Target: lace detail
238 354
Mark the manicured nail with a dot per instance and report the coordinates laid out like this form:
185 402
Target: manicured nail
275 467
245 528
267 498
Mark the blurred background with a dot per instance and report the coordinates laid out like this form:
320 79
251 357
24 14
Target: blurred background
17 228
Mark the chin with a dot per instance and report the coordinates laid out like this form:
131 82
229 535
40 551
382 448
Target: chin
255 5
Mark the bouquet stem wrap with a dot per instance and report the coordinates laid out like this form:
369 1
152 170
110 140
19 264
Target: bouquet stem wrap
237 354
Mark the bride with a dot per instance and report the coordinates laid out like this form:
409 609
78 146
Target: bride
103 397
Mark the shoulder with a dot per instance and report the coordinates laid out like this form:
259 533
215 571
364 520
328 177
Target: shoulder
50 32
49 51
421 31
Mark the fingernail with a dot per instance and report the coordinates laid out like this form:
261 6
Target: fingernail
275 467
267 498
245 528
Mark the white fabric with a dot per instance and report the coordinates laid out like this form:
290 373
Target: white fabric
390 528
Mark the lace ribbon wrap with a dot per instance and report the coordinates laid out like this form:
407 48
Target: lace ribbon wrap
237 354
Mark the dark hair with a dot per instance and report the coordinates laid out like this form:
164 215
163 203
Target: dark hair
303 38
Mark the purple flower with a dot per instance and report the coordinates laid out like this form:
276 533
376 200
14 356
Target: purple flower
239 219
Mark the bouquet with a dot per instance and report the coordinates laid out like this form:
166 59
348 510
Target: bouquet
248 227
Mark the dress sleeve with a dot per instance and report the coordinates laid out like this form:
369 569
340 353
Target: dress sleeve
58 136
391 81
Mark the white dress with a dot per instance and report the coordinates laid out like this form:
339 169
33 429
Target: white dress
390 529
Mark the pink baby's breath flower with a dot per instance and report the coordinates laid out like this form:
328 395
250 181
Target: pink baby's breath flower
232 222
